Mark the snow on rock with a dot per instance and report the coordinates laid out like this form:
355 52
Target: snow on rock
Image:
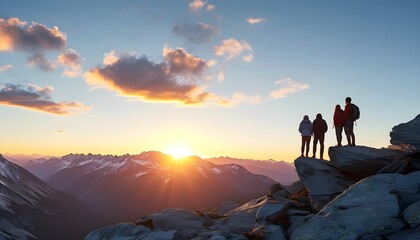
322 180
368 209
407 133
363 161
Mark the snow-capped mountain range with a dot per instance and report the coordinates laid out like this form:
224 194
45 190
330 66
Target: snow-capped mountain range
131 185
30 208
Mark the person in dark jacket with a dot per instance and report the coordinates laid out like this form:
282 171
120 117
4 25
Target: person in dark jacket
338 123
319 129
348 123
305 129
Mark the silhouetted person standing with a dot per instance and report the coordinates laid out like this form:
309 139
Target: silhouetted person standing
339 123
305 129
319 128
348 124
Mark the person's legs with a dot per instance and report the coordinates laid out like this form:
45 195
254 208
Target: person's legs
352 137
347 132
338 134
321 143
314 145
307 145
302 147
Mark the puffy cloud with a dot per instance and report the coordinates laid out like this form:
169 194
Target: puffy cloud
34 37
288 86
232 48
248 58
182 62
38 60
141 78
195 33
36 98
195 5
5 68
71 60
255 20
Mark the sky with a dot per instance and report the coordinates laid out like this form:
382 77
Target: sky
219 78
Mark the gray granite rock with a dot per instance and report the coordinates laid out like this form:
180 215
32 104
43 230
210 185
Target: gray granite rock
366 210
363 161
177 219
407 133
412 214
224 208
322 180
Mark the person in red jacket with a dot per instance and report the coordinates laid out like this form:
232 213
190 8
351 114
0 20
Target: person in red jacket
339 123
319 127
348 124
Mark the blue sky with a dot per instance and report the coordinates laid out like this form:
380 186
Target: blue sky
317 52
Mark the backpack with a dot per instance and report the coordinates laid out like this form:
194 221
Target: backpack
355 113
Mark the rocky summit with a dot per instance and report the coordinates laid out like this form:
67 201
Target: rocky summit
361 193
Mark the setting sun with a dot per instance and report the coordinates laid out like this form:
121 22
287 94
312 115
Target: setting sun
178 151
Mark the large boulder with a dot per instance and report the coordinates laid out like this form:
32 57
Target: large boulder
322 180
407 133
368 210
363 161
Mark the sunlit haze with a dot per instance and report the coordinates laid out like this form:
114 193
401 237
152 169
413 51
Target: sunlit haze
223 78
178 151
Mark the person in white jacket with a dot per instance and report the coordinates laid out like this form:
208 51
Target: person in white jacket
305 129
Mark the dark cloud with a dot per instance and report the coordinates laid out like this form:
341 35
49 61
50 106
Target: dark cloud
38 60
195 33
34 37
182 62
36 98
139 77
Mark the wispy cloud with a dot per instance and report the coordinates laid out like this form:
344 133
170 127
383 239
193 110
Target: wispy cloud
140 78
5 68
251 20
288 86
221 76
39 60
239 97
195 33
196 5
36 98
71 60
232 48
211 7
248 58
